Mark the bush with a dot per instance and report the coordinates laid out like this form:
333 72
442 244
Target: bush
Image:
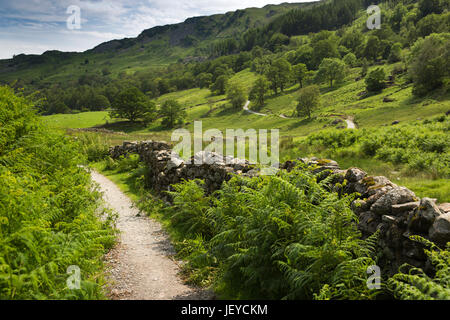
420 146
94 146
375 80
127 163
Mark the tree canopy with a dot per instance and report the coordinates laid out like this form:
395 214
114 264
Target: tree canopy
132 104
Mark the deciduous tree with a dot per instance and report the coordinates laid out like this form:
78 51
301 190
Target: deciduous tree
308 100
173 113
132 104
331 70
259 92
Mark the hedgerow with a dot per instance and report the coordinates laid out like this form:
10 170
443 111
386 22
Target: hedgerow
49 216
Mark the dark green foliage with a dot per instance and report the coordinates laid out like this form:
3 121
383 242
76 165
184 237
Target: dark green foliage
427 7
324 46
413 284
350 59
272 237
432 23
352 39
324 16
277 41
375 81
395 54
364 67
132 104
304 54
173 114
300 72
190 209
100 102
204 80
429 65
259 92
372 48
49 217
308 100
279 74
220 85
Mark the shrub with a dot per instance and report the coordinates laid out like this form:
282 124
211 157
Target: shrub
420 146
375 80
94 146
127 163
190 208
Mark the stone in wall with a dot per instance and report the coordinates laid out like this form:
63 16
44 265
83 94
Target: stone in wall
395 211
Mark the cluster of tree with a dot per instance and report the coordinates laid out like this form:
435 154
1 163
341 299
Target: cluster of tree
134 105
282 59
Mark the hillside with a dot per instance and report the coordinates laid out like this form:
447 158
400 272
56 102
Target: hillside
155 47
200 87
364 151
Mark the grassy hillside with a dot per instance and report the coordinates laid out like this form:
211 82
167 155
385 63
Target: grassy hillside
370 113
153 48
306 69
268 39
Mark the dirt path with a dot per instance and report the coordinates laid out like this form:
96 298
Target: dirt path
252 112
349 121
140 266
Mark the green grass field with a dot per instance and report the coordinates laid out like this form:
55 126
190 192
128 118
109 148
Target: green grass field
343 99
79 120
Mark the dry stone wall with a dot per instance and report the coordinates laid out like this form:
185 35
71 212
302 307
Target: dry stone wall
166 170
381 204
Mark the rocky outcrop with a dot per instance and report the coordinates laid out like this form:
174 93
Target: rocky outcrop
381 205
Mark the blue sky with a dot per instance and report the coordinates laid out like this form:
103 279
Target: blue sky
34 26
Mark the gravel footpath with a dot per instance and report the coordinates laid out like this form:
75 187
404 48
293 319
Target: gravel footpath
141 265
